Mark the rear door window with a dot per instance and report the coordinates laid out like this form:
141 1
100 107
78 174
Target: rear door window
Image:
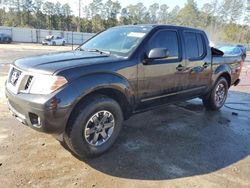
194 44
200 41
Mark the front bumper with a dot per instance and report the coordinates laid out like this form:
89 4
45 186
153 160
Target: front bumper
47 114
46 43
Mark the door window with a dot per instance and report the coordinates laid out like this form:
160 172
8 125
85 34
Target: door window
194 44
165 39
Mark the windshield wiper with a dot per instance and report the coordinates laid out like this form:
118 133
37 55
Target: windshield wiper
100 51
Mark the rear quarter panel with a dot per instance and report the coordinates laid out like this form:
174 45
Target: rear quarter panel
226 64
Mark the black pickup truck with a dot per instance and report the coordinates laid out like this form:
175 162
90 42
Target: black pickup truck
83 96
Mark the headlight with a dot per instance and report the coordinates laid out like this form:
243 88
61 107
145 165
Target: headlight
46 84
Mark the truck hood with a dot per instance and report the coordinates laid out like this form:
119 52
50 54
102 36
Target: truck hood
51 63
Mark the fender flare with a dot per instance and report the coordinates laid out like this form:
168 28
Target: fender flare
91 83
222 70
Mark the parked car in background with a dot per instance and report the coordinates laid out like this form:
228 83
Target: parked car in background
232 51
53 41
244 51
5 38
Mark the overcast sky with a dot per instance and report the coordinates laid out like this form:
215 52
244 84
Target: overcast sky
124 3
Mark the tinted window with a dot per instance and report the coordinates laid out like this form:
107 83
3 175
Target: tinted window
191 45
165 39
194 44
200 44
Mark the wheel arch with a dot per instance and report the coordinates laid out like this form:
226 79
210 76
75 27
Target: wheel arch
110 92
222 71
227 76
110 85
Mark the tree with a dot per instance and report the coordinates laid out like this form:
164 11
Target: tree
111 10
125 17
137 13
173 15
86 12
2 16
188 15
163 14
222 19
231 10
247 13
58 16
153 12
95 8
16 9
236 10
27 7
210 14
39 16
66 12
48 9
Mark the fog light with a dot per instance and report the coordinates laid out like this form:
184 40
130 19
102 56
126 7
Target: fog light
35 120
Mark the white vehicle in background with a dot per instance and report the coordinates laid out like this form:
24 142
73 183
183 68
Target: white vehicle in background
53 41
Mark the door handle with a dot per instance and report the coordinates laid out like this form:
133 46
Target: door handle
179 67
205 65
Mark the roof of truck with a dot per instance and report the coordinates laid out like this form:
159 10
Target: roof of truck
159 25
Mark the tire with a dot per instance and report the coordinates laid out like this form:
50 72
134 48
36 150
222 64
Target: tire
216 99
63 44
53 43
76 135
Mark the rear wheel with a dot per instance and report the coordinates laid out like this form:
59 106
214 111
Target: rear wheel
94 126
217 96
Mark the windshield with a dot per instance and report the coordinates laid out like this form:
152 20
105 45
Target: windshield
120 41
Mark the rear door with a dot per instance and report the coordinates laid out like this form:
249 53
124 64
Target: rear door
160 77
198 60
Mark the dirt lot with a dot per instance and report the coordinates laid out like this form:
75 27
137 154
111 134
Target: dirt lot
181 145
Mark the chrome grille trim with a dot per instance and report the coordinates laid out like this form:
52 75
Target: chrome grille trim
28 84
21 82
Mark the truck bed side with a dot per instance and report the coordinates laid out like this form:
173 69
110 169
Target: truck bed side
230 64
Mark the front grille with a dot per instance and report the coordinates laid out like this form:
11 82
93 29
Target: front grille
27 85
18 80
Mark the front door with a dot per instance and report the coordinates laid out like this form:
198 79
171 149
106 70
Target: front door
160 77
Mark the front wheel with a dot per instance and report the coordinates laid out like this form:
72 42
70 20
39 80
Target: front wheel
217 96
94 126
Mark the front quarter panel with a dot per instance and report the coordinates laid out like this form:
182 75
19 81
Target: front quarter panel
91 83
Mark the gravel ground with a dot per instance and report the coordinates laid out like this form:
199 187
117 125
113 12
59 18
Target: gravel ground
181 145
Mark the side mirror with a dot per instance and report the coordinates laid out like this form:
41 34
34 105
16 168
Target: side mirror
158 53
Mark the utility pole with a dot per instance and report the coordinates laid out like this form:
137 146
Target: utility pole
80 8
79 16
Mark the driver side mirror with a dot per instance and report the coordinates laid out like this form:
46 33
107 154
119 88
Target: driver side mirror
158 53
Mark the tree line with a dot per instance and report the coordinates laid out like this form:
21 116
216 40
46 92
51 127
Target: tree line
223 20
